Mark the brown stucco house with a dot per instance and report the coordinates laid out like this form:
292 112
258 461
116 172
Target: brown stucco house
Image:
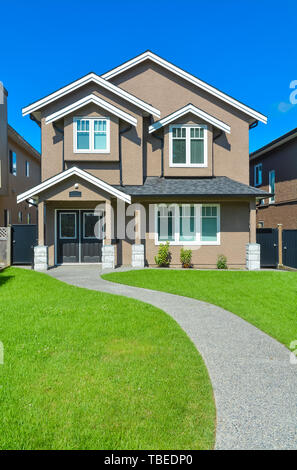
139 155
273 168
19 171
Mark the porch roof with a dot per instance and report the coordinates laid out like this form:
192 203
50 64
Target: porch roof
74 171
215 186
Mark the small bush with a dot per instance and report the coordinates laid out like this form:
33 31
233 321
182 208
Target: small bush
186 258
222 262
163 257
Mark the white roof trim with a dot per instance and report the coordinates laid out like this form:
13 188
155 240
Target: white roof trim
66 174
187 76
91 77
190 108
91 99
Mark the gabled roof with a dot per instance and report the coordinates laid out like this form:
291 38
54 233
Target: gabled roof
67 174
18 139
213 186
91 77
274 144
91 99
190 108
148 55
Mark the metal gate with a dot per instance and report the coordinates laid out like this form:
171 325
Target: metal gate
268 239
290 248
24 238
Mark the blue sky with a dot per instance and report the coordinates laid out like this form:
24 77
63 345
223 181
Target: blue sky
246 48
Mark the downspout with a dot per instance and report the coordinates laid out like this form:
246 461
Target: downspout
127 129
61 132
162 151
212 157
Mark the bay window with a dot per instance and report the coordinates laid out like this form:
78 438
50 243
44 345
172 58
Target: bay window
188 224
91 135
188 145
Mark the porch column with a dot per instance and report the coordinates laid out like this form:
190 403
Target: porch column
41 251
252 248
108 250
253 221
138 248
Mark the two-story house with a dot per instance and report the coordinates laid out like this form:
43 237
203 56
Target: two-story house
139 155
273 168
19 171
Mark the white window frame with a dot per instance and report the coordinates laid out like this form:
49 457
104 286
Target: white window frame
60 219
91 134
188 163
271 199
256 183
198 224
27 169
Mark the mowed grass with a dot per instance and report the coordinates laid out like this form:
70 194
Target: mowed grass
267 299
87 370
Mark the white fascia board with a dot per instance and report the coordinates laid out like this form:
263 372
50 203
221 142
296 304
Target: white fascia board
91 77
66 174
193 110
91 99
187 76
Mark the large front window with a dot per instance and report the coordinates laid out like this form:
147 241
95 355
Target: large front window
91 135
188 146
188 224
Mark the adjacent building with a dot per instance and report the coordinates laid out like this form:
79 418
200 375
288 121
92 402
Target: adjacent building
19 171
273 168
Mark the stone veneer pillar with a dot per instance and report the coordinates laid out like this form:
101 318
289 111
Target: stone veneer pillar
253 256
40 258
108 257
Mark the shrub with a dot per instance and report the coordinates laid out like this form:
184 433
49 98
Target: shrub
163 257
222 262
186 258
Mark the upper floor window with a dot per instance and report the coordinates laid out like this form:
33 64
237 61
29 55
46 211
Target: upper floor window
188 146
12 162
258 175
91 135
27 168
272 185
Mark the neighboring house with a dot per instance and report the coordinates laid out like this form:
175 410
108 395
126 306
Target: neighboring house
149 133
273 168
19 171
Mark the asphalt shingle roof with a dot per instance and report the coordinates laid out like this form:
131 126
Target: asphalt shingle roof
216 186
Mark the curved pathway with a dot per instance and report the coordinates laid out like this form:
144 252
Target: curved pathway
255 386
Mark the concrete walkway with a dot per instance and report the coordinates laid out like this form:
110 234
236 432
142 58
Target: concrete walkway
255 386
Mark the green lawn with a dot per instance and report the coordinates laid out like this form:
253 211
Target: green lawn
87 370
268 299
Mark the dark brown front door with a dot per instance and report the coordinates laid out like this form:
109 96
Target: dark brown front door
79 236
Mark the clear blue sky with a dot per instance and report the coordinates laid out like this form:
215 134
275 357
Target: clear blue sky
246 48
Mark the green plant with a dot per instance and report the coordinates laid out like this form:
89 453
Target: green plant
163 257
222 262
186 258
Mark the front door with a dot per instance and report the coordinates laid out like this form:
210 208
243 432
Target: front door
79 236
